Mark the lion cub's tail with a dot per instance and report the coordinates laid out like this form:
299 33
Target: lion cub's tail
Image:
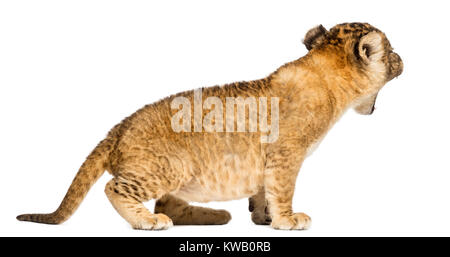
91 170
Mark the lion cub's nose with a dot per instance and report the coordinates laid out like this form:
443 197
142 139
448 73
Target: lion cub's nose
396 65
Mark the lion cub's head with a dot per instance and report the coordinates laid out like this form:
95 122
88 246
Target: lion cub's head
364 47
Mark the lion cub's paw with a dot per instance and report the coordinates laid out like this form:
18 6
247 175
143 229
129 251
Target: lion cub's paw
154 222
260 217
296 221
221 217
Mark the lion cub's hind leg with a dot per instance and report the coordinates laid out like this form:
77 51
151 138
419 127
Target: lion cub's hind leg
182 213
129 206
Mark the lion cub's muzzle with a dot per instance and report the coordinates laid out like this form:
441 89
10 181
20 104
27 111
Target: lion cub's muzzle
395 66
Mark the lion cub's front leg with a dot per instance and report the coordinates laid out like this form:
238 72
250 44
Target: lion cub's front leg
282 167
257 205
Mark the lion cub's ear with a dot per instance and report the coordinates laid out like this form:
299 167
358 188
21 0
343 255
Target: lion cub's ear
314 37
370 47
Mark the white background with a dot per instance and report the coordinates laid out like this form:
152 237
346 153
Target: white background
69 71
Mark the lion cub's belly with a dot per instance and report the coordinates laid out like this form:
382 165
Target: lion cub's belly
230 179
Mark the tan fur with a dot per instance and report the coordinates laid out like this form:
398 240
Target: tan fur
344 68
257 205
182 213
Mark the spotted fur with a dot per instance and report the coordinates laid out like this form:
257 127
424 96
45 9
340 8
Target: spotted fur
345 67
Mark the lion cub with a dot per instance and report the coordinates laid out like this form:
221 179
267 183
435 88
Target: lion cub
151 159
